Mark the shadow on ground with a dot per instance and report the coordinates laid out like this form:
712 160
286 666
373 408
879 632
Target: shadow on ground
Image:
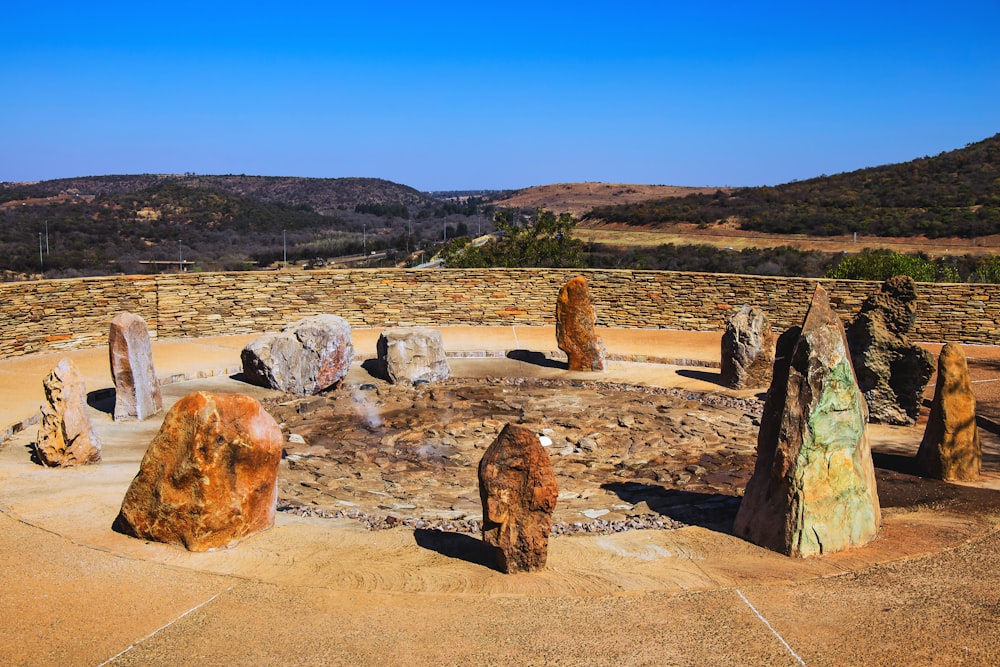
536 359
704 376
714 511
102 400
458 546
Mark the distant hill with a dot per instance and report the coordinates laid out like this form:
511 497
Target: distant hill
323 195
956 193
579 198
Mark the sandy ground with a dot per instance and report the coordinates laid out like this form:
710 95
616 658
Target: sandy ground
314 591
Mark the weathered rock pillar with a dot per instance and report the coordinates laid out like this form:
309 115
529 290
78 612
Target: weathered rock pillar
747 350
950 449
208 479
412 354
813 486
137 393
575 331
518 489
66 436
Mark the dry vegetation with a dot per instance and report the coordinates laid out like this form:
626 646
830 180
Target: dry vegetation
579 198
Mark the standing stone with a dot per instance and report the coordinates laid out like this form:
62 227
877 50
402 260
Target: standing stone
518 489
66 437
208 479
747 350
575 332
950 449
892 372
412 354
137 393
307 357
813 487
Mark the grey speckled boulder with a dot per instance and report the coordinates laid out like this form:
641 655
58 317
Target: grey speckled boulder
307 357
412 354
747 350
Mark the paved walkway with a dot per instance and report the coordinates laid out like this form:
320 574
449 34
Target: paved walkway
329 592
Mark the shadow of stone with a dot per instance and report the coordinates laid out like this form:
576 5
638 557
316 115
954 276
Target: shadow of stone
713 511
536 359
102 400
704 376
376 369
32 448
988 425
900 463
241 377
458 546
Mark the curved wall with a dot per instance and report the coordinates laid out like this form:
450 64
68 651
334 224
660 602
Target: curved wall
60 314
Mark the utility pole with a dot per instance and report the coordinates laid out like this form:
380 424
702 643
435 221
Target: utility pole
41 260
364 239
444 225
180 257
284 246
409 230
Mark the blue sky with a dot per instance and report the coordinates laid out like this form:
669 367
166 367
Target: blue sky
448 95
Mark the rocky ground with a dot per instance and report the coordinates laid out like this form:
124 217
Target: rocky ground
625 457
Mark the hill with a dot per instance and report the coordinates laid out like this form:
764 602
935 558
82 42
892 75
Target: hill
323 195
954 194
579 198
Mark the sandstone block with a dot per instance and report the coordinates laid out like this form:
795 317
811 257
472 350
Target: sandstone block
306 357
518 490
412 354
950 448
747 350
137 393
208 479
66 436
575 331
892 372
813 486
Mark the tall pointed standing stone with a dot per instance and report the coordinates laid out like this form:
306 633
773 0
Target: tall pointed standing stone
813 487
950 448
66 436
137 393
575 331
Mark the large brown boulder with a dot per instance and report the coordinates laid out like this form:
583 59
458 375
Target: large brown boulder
66 436
307 357
518 489
892 372
575 331
950 448
137 392
747 350
813 486
412 354
208 479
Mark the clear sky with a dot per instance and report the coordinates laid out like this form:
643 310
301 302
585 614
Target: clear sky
464 95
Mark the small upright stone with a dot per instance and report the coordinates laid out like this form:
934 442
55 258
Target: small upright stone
747 350
412 354
575 331
892 372
950 449
518 489
307 357
208 479
66 437
813 486
137 393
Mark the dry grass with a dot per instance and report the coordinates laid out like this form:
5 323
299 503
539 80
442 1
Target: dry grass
579 198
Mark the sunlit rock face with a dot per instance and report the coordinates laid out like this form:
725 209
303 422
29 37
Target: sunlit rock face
892 372
412 354
307 357
208 479
518 489
813 487
575 331
747 357
66 436
137 392
950 448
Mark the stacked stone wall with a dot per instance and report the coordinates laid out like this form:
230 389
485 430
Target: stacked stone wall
58 314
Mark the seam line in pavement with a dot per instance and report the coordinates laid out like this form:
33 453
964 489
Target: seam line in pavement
769 626
163 627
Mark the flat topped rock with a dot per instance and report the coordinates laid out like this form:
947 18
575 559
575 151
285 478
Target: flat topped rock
813 487
412 354
306 357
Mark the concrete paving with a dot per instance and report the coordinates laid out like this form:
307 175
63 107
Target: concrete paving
328 592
